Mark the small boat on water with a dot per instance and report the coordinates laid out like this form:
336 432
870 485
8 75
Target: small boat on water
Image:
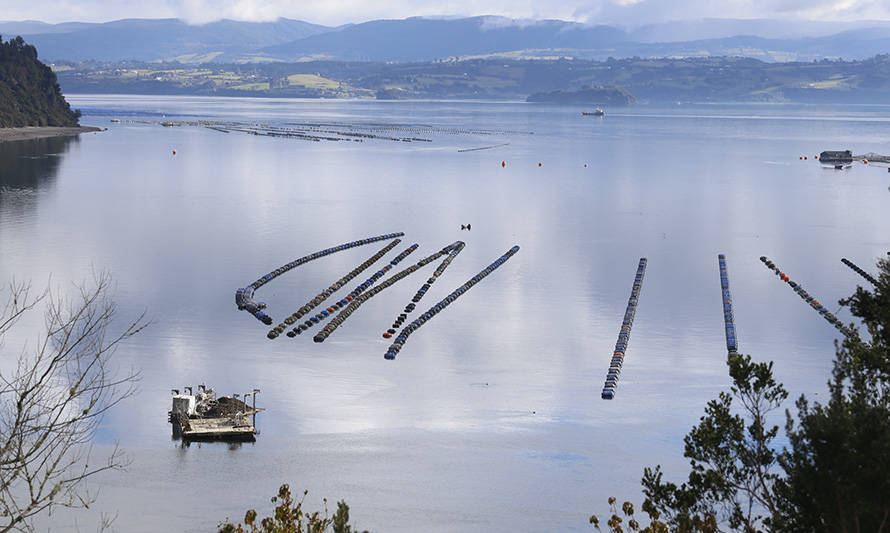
837 160
595 113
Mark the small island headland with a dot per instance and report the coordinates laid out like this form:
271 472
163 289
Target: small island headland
31 103
600 95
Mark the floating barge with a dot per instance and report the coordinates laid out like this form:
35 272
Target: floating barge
203 416
836 159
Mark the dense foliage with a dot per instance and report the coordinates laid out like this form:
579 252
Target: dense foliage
289 517
29 92
833 476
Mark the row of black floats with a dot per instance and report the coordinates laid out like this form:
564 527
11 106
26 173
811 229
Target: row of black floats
244 296
732 345
814 303
422 290
334 287
624 334
445 302
373 291
859 271
320 317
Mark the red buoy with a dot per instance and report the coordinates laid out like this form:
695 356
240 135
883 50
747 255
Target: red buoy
503 163
539 163
174 152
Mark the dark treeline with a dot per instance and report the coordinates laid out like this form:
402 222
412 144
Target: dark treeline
29 92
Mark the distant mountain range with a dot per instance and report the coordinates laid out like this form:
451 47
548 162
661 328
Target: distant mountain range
429 39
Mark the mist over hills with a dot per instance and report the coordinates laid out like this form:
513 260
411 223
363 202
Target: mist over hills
156 39
429 39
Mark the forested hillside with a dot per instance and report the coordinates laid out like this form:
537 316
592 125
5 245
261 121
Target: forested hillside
29 92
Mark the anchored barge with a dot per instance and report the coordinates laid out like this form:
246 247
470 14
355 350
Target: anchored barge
203 416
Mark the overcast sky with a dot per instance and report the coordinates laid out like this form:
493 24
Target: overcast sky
335 12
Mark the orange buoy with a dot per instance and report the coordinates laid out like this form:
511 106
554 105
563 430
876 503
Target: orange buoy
865 161
503 163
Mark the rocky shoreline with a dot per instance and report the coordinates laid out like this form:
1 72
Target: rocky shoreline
41 132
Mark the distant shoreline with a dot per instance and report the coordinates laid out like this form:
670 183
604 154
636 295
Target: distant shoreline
42 132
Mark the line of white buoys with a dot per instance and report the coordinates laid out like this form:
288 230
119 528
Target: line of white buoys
349 297
732 345
422 291
244 296
859 271
323 295
362 298
624 334
434 310
814 303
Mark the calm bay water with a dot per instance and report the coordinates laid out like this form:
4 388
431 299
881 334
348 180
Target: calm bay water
490 419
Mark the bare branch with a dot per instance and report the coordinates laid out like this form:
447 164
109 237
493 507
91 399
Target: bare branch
52 403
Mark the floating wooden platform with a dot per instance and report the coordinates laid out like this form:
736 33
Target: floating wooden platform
222 428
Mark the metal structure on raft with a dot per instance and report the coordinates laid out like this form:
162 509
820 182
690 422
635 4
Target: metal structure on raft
732 345
203 416
624 335
826 314
859 271
244 296
445 302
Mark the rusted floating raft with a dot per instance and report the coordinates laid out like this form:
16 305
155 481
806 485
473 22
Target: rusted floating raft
624 335
203 416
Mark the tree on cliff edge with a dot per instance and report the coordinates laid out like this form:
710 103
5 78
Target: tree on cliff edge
29 91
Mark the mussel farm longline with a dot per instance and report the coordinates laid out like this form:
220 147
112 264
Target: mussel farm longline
859 271
826 314
358 301
320 317
624 334
244 296
434 310
732 345
323 295
422 290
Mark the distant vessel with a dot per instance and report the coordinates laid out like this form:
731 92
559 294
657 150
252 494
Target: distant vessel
838 160
595 113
